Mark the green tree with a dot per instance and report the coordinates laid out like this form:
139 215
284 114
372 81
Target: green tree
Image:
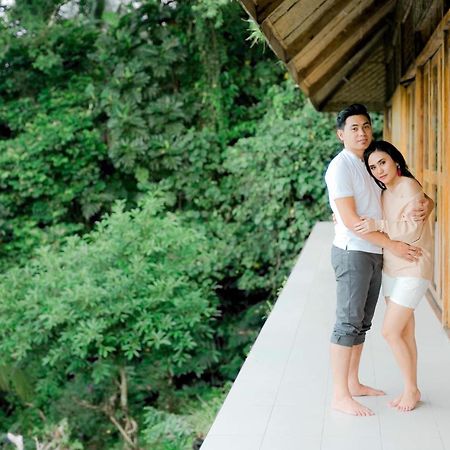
113 317
56 178
276 187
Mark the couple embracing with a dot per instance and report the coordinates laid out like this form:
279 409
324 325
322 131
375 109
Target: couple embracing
382 237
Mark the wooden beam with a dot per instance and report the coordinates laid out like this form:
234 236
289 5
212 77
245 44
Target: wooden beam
316 28
435 41
446 170
329 61
250 8
419 121
430 48
324 33
263 3
372 105
294 15
283 9
426 22
266 10
259 10
274 40
326 90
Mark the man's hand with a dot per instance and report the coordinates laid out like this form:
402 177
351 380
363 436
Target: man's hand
405 251
421 210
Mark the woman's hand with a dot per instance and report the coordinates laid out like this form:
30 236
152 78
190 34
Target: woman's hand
404 250
367 225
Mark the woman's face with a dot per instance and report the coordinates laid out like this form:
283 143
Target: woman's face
383 167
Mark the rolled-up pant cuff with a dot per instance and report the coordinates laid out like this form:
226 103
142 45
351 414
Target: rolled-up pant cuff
347 341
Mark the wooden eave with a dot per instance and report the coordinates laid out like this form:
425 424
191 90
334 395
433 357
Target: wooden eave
328 44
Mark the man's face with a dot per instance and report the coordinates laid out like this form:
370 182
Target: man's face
356 134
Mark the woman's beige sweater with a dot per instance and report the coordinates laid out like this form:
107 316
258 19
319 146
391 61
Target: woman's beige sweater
396 203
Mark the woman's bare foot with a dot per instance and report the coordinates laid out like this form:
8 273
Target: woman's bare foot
395 402
409 400
361 390
349 406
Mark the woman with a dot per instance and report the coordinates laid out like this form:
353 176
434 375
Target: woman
404 282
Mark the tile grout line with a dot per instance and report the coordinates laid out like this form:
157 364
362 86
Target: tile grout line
376 384
283 372
307 295
433 414
325 405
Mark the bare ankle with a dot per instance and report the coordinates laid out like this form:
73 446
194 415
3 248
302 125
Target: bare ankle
338 397
411 389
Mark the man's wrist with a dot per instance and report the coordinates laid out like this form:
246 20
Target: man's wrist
389 244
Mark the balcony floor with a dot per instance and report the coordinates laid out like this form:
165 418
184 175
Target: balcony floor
280 399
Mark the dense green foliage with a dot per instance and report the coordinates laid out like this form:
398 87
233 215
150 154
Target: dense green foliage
276 186
55 177
158 178
116 314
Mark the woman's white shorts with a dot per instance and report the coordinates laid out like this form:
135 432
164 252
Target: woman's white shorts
405 291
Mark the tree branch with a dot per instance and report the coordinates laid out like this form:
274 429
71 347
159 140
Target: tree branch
123 389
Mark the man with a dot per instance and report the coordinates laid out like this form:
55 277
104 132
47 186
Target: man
357 260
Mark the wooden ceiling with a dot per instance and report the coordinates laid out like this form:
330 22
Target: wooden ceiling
334 49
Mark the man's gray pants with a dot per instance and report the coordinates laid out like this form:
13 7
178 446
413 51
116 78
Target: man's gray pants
358 278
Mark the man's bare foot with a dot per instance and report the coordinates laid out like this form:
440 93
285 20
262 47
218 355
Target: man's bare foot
361 390
349 406
409 400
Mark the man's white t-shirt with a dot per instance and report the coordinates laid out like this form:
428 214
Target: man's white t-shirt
347 176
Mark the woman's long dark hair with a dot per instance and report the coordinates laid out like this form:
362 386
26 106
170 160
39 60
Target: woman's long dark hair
393 152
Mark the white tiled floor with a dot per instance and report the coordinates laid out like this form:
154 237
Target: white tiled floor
280 399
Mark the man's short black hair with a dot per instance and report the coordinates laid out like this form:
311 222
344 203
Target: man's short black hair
353 110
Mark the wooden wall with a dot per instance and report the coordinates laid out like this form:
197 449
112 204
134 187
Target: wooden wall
417 121
414 24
